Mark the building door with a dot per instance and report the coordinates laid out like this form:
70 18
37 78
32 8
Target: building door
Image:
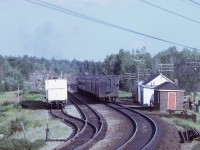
171 101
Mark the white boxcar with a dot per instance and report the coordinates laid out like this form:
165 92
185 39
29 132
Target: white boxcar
56 92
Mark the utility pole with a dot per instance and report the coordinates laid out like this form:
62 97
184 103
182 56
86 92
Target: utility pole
166 67
195 64
130 77
139 62
144 72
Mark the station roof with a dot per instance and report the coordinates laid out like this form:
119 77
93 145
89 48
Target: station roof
168 86
150 78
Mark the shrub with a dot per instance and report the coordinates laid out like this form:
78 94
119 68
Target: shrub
9 107
19 108
6 103
37 144
37 124
16 124
2 114
5 130
19 144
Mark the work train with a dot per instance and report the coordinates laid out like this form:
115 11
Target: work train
56 92
102 87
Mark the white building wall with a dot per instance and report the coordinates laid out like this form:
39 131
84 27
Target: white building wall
148 89
137 90
147 94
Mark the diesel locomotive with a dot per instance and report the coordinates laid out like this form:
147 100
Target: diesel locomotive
102 87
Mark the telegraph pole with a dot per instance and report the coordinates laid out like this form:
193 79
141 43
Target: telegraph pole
130 77
139 62
166 67
195 64
144 72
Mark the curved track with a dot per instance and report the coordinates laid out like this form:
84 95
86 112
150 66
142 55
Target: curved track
90 128
133 127
86 129
90 116
145 130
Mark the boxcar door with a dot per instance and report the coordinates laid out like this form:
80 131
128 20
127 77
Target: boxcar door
171 101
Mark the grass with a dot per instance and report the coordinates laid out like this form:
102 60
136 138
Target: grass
35 122
8 96
17 144
33 96
12 96
186 124
125 94
38 125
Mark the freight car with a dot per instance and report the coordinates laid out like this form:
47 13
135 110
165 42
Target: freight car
56 92
103 87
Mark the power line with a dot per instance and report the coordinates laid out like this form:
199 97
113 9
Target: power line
76 14
190 3
174 13
194 2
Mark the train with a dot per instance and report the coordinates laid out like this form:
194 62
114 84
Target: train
56 92
102 87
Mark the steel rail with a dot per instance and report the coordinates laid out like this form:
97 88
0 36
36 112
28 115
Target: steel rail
66 121
151 121
77 100
134 123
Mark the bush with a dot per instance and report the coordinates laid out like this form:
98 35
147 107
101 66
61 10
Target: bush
21 144
37 124
18 107
16 124
2 114
37 144
9 107
5 131
6 103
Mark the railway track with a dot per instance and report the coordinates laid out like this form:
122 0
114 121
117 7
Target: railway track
86 128
59 114
91 127
143 131
91 116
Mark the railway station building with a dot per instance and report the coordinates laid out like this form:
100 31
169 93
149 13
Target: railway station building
168 96
145 90
157 88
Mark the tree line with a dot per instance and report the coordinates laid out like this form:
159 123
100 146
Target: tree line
16 71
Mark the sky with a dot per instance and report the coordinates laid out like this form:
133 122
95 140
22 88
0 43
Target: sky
34 30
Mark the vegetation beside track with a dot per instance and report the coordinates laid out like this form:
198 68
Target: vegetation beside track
125 94
186 124
34 121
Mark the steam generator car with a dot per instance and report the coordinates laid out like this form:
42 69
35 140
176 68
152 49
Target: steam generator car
102 87
56 92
